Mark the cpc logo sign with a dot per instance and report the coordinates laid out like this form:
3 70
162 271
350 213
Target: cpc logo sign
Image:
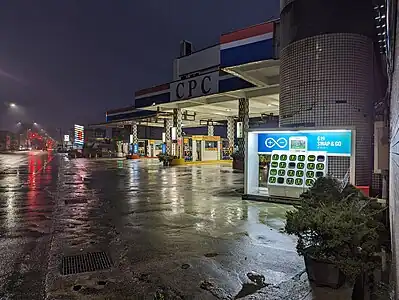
280 142
193 87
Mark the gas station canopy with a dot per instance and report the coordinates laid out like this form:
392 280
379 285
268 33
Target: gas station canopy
264 95
208 83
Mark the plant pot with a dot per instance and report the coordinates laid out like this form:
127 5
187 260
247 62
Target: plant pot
323 274
238 164
326 293
327 281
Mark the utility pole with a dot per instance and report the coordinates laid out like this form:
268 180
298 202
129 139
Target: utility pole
61 137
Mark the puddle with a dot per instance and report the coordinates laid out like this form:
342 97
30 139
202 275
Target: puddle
211 254
77 287
214 290
227 193
263 239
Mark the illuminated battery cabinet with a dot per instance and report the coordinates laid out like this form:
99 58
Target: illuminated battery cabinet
291 172
316 166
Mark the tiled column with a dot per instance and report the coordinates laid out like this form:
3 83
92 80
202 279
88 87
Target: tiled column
135 140
230 133
177 122
134 133
168 142
243 116
211 130
327 74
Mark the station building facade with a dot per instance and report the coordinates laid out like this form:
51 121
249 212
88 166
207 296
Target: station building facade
319 65
211 86
304 70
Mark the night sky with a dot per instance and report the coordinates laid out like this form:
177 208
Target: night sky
68 61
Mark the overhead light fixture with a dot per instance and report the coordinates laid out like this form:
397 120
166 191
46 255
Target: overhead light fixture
228 109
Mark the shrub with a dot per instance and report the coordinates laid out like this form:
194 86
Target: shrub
339 226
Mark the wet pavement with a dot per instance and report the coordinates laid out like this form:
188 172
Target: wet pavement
167 233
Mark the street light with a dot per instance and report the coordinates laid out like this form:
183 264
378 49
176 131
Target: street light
12 105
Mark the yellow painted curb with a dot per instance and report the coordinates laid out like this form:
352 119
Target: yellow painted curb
177 162
209 162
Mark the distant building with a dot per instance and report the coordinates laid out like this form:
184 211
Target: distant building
93 134
8 141
121 134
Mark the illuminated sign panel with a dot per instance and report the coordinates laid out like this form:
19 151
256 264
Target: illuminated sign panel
66 138
174 133
240 130
334 142
79 135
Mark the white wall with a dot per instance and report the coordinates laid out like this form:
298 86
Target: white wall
209 155
196 62
394 160
251 180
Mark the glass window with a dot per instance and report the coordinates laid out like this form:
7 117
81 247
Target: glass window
211 145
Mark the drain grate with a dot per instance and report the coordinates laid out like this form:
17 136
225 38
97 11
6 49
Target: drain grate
75 201
87 262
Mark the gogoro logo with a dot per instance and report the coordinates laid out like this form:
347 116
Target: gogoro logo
281 142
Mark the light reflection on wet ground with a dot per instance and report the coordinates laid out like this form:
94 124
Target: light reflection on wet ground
182 231
26 183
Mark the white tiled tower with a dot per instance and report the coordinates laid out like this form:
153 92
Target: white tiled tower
327 72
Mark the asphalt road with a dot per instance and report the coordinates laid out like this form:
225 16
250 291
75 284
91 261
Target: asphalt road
169 233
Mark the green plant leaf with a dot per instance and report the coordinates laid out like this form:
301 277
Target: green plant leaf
342 227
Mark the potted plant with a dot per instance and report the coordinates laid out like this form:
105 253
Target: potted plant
339 234
238 161
162 158
263 160
166 159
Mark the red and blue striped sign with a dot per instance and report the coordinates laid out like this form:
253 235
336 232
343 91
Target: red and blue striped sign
247 45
